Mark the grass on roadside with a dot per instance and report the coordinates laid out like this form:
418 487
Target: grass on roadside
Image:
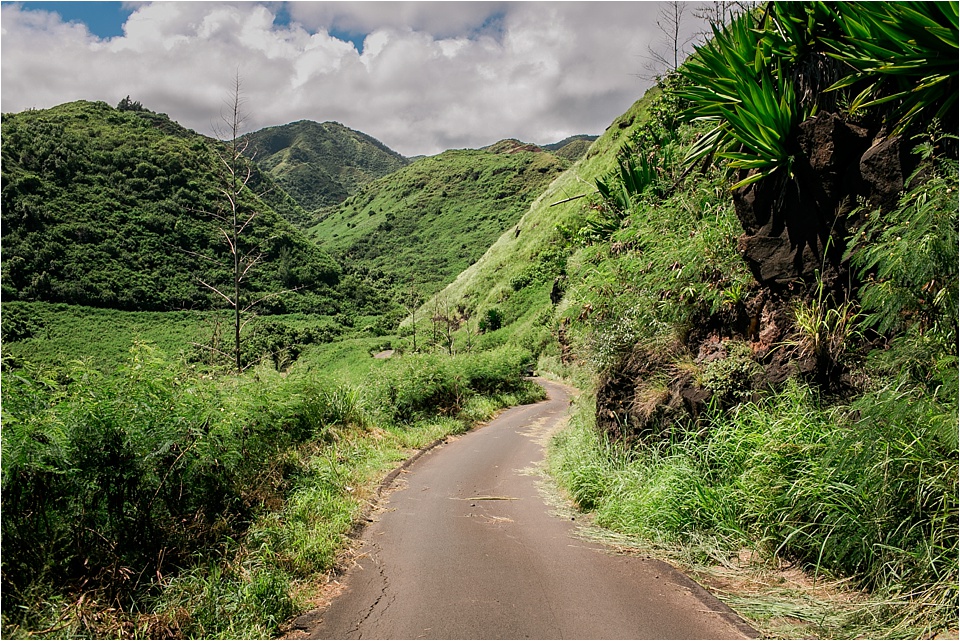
156 502
864 502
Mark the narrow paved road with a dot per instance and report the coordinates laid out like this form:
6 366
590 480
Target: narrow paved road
465 547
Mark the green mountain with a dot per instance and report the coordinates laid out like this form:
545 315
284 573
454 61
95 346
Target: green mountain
573 147
321 164
117 208
430 220
515 277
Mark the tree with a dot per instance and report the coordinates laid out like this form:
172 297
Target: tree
412 302
448 320
130 105
666 58
717 14
236 216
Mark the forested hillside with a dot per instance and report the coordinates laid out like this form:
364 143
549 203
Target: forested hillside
118 208
423 224
320 164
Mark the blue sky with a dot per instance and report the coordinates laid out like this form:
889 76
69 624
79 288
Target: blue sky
103 19
419 76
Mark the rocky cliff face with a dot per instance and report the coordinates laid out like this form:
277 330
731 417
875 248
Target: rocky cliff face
795 233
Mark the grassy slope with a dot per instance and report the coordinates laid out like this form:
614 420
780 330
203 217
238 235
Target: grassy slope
430 220
525 253
321 164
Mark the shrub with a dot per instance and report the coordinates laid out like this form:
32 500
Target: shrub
116 477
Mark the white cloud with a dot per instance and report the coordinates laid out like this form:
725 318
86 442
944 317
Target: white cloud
431 75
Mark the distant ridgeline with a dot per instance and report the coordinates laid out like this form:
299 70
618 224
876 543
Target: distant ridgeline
572 148
114 208
321 164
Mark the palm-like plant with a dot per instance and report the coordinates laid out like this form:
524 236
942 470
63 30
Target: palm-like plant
757 82
622 189
906 51
751 104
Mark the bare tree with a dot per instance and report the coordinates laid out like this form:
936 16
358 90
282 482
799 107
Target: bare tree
235 217
718 14
411 303
448 320
672 48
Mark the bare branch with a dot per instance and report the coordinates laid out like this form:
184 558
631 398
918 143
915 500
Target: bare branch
251 263
211 349
192 253
233 249
566 200
247 222
225 297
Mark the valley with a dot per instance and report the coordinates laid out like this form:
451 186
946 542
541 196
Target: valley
751 277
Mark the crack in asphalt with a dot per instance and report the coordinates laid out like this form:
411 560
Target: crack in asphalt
376 556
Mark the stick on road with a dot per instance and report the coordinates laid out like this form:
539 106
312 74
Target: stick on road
467 548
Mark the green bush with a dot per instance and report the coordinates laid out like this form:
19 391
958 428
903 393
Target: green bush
114 477
418 385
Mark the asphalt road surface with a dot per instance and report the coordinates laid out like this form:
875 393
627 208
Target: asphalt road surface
465 547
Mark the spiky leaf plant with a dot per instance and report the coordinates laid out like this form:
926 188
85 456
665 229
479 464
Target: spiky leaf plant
906 51
635 173
753 106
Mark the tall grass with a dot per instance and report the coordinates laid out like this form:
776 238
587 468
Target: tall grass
867 492
157 501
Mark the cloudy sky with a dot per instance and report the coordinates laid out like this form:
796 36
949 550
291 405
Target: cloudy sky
419 76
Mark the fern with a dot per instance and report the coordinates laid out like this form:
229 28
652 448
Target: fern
909 261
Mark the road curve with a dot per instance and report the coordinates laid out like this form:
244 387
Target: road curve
466 548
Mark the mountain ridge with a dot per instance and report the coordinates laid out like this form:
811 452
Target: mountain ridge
320 163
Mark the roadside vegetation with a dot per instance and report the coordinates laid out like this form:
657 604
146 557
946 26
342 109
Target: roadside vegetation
848 468
159 501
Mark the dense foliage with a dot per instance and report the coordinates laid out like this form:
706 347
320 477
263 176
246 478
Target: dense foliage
112 208
320 164
144 487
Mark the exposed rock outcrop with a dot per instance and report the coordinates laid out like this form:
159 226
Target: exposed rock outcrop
795 232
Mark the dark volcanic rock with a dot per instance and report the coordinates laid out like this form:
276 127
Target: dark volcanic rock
832 150
796 227
885 167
